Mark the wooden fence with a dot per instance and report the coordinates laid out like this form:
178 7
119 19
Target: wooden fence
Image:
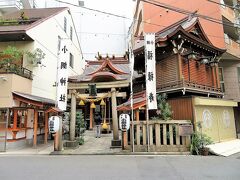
164 136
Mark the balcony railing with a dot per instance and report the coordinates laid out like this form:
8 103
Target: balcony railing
21 71
188 85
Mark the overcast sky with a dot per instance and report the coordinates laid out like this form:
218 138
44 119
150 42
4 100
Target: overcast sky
99 32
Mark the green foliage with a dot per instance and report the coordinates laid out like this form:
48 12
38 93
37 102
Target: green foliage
23 16
79 129
36 56
7 22
10 59
199 141
164 109
80 140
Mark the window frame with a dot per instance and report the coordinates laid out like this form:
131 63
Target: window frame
221 79
71 60
65 25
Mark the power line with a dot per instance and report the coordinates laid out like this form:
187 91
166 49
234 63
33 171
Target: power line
232 7
156 3
189 13
103 12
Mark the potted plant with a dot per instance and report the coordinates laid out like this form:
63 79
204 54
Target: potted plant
199 142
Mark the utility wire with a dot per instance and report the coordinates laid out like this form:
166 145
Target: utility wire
232 7
186 12
156 3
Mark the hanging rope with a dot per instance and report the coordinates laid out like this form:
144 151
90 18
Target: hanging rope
91 100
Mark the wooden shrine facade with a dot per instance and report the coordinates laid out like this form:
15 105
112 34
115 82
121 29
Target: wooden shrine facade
186 61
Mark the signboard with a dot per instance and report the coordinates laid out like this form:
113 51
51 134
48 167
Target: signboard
124 121
185 130
53 124
62 78
150 63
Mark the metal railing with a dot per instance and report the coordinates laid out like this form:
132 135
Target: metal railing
21 71
187 84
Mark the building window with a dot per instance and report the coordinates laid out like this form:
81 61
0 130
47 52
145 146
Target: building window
65 24
71 62
71 32
238 70
221 79
59 43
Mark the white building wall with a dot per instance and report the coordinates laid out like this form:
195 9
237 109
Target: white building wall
99 32
45 37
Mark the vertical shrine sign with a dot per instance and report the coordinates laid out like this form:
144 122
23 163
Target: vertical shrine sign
150 69
62 77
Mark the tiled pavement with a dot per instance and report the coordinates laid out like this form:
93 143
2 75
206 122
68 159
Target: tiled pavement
95 145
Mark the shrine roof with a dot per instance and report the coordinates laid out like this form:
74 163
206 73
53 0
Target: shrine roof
32 99
139 101
190 28
115 68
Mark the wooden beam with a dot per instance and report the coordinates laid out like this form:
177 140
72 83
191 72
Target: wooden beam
137 115
46 128
217 77
15 116
100 85
35 126
118 94
91 119
179 66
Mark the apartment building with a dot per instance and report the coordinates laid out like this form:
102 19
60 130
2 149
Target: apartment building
229 67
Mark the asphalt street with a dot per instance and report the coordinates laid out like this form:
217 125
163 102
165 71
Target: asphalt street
120 167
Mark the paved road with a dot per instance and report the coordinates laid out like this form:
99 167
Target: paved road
118 167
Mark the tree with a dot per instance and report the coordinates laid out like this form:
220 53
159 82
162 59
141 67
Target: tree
164 109
79 128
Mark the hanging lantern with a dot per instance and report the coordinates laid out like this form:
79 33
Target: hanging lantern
81 103
102 103
93 106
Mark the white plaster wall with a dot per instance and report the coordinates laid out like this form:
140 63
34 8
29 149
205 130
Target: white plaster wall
99 32
45 37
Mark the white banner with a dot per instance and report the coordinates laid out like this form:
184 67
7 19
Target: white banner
53 124
150 63
62 78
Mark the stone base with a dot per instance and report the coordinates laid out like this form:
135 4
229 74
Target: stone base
71 144
116 144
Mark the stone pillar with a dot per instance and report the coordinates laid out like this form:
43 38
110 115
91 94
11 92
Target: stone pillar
73 117
115 142
114 115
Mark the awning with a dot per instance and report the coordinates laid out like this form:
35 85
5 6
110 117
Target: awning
139 101
31 99
53 110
